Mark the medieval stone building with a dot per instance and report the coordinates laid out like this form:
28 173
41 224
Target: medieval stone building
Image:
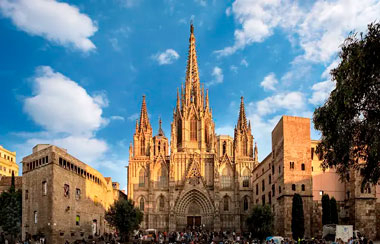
200 179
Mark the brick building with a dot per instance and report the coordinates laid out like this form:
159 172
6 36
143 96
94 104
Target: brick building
63 198
294 167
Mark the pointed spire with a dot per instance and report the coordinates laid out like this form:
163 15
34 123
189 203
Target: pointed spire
207 104
242 121
160 131
192 85
256 153
144 119
178 100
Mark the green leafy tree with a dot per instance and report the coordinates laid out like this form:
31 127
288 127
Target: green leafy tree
326 210
350 119
125 217
334 211
11 210
260 222
298 219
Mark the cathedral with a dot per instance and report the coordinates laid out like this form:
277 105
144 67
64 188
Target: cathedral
200 178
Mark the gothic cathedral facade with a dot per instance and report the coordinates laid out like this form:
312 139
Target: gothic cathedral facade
200 179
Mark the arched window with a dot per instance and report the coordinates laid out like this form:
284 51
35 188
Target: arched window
179 132
224 147
225 179
246 178
142 204
142 178
143 146
302 166
159 147
162 177
244 147
161 203
303 187
193 129
245 203
226 202
206 133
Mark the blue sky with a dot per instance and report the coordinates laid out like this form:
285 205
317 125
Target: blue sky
73 73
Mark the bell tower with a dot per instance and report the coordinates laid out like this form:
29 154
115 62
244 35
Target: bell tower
192 128
142 138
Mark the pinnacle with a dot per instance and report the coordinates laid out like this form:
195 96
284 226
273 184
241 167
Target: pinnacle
144 119
242 121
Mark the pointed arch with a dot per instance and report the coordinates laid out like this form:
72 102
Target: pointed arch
142 203
226 203
226 177
142 177
161 203
246 177
193 128
246 203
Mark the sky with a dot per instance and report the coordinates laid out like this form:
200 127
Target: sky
72 73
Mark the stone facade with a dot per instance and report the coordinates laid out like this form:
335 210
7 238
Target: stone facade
6 182
63 198
8 163
294 167
201 179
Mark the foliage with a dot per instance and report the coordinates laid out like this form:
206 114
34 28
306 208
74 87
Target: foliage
125 217
350 119
334 211
298 220
11 210
260 222
326 210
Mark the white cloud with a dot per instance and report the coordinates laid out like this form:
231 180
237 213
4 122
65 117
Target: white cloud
244 62
318 28
225 130
117 117
133 117
217 74
322 90
61 105
290 101
58 22
269 82
234 68
167 57
203 3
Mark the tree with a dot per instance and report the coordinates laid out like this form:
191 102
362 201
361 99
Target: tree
260 221
334 211
326 210
11 210
298 220
349 121
124 217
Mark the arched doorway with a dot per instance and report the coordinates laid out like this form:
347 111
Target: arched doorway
195 209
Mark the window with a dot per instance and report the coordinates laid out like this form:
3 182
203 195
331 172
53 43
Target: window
142 204
245 203
257 189
44 188
77 220
293 187
312 153
142 146
303 187
161 203
226 178
35 217
279 189
77 194
321 193
303 167
272 169
224 147
269 198
279 169
270 179
193 129
225 203
273 190
263 185
142 178
291 165
26 194
246 177
162 177
66 190
263 199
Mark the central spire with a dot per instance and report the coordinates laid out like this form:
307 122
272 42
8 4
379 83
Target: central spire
192 84
242 121
144 124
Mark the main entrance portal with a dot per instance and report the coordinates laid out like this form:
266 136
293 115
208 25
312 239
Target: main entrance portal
193 221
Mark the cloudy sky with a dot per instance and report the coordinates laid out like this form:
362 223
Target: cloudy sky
72 73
